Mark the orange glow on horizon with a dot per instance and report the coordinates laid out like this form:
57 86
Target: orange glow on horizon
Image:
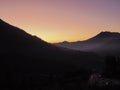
62 20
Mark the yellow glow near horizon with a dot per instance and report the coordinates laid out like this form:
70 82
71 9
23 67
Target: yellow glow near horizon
62 20
51 35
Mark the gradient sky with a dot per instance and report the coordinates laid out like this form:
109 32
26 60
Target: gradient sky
62 20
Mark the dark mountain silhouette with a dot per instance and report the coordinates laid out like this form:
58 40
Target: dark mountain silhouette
103 43
28 61
29 53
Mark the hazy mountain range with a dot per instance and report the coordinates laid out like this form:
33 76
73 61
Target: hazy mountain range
105 43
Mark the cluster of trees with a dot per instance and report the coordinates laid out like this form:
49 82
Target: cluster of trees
39 81
112 67
14 77
110 75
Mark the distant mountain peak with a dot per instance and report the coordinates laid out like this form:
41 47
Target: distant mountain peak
65 42
107 34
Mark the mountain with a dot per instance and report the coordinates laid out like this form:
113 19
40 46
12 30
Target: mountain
23 52
27 61
105 43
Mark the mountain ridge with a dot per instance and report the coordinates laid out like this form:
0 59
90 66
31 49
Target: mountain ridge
41 55
102 34
106 42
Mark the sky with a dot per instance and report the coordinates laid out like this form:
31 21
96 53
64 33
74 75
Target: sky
62 20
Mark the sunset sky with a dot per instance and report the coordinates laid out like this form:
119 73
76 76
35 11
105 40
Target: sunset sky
62 20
